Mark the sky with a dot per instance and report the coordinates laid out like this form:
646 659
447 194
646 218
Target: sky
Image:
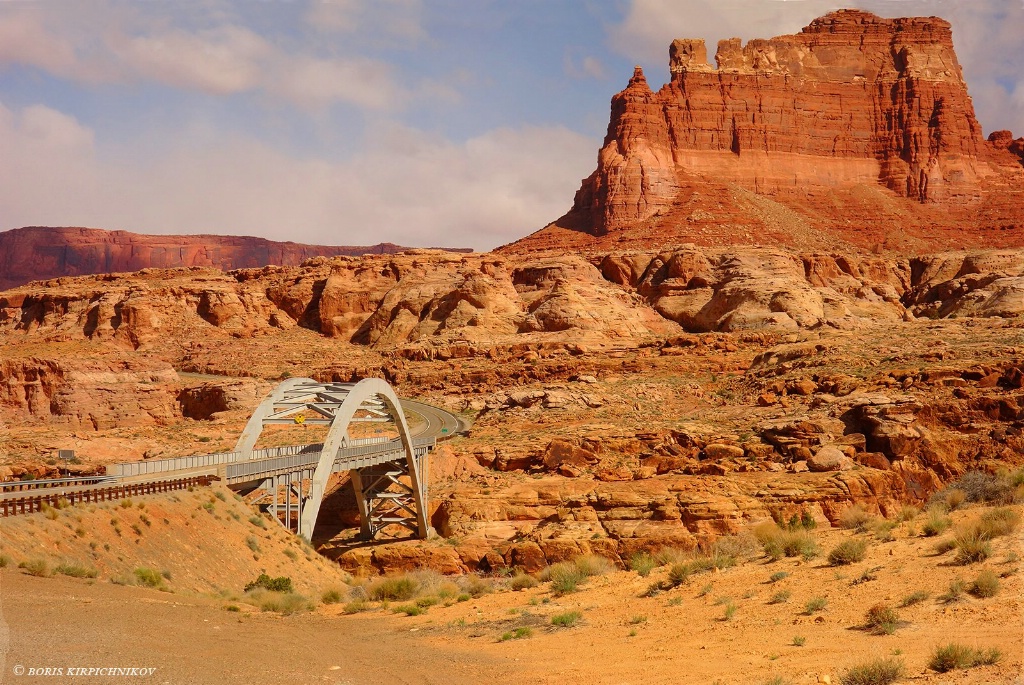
462 123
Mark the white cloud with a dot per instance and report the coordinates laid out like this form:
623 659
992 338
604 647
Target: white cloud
222 59
406 186
385 19
986 34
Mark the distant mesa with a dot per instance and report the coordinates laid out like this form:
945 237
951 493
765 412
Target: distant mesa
857 131
41 252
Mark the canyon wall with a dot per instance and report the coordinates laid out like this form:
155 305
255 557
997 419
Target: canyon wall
39 252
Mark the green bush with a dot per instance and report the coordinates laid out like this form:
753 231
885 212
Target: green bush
520 633
410 609
815 605
780 597
878 672
847 552
279 584
567 619
148 577
332 596
954 655
777 576
253 544
643 563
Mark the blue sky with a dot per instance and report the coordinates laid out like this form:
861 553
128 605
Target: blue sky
421 122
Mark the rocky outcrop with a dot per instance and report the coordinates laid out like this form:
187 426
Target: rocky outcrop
854 121
41 252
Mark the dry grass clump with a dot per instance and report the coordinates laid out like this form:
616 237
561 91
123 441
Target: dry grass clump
955 655
847 552
936 522
279 602
76 570
973 541
567 576
741 546
777 542
680 572
643 563
856 518
393 588
877 672
882 619
35 567
475 586
522 581
985 585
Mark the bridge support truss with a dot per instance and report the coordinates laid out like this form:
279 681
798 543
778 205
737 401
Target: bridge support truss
390 489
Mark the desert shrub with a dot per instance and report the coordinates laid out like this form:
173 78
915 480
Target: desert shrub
777 576
567 619
355 606
998 522
426 602
799 640
915 597
949 499
35 567
847 552
643 563
393 588
410 609
76 570
877 672
475 586
855 518
522 581
332 596
593 565
257 521
5 561
815 605
735 546
279 584
566 577
943 546
148 577
279 602
985 585
253 544
882 619
777 680
957 588
679 573
671 555
936 522
979 486
730 611
126 503
907 513
972 546
780 597
520 633
955 655
778 543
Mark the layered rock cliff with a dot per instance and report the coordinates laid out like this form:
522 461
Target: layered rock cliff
39 252
854 126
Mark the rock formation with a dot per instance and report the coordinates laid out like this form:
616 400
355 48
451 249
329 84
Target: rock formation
852 126
38 252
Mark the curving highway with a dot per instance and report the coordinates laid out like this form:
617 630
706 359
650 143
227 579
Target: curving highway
434 422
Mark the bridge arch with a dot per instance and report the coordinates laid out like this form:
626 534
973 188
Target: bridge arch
335 405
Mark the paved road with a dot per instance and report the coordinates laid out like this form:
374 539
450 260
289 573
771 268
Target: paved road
436 422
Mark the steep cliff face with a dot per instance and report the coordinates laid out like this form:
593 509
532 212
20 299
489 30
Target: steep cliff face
852 101
39 252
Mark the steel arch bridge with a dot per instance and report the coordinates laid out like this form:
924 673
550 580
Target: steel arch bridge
388 476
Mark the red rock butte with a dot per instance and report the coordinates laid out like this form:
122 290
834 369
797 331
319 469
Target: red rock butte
858 131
